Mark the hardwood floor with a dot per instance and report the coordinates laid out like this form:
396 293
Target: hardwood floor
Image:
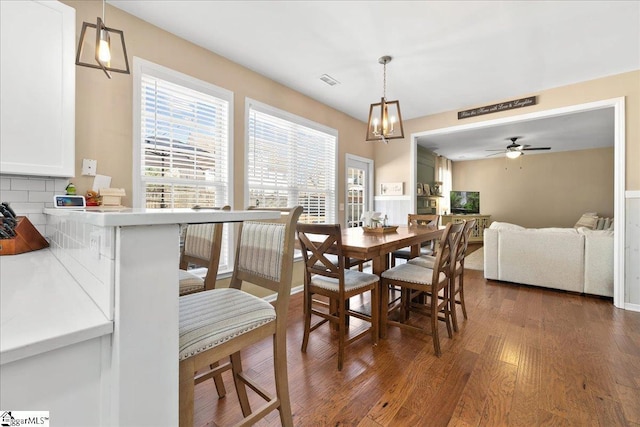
526 357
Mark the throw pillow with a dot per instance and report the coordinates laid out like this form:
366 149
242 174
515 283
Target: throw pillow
588 220
599 224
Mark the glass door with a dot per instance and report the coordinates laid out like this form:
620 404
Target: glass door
359 188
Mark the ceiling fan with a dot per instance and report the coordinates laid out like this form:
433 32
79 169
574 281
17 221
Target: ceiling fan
515 150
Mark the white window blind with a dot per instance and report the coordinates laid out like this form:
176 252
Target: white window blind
184 148
290 161
182 142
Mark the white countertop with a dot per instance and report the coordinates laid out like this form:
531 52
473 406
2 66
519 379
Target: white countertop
42 307
107 217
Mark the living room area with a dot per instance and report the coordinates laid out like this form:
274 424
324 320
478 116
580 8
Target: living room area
547 188
562 170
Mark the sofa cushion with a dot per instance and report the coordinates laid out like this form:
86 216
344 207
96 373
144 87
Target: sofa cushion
548 259
495 225
598 262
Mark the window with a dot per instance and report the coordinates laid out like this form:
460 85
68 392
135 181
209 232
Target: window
291 161
183 140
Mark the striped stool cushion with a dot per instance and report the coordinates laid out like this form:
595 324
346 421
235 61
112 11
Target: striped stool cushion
412 274
261 249
197 242
352 280
189 282
210 318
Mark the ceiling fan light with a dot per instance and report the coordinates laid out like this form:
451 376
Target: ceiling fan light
514 154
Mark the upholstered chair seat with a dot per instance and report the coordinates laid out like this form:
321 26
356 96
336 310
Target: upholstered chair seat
213 317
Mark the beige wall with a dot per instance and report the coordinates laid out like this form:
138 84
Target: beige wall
541 190
391 160
104 107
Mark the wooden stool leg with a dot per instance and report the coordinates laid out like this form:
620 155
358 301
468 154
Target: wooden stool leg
434 325
281 378
308 301
341 332
452 304
186 391
464 307
375 311
384 309
241 388
217 380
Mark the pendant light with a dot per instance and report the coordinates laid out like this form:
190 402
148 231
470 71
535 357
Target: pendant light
103 49
385 120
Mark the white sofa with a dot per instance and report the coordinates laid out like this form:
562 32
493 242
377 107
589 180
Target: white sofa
577 260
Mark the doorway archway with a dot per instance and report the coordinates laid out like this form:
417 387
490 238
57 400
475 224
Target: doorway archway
618 106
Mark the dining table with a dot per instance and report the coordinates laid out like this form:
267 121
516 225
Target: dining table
377 245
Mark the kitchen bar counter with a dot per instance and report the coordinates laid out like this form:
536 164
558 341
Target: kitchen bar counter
126 260
43 308
109 217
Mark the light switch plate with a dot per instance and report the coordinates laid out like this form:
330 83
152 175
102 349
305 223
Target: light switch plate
89 167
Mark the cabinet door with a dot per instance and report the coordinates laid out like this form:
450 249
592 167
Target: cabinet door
37 88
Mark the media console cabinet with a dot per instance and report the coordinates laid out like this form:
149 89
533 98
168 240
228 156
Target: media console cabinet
477 233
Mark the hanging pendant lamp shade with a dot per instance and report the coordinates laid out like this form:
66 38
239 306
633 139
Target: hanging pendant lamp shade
108 56
385 119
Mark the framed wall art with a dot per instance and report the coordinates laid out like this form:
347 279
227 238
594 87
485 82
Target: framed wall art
392 189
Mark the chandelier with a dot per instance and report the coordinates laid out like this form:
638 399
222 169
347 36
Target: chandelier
385 120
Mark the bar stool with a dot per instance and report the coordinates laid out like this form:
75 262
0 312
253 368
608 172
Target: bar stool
220 323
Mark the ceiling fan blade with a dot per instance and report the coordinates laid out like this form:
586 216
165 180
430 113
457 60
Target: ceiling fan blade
502 149
537 148
493 154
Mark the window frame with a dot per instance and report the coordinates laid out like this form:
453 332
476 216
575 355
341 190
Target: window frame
297 120
142 66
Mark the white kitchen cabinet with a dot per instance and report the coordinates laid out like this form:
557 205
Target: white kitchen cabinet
37 88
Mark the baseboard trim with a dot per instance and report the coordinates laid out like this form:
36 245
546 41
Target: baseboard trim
632 307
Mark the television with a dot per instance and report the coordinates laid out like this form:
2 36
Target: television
465 202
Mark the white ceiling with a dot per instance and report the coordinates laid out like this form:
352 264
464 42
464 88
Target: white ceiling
448 55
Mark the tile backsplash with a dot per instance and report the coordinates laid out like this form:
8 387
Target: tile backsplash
87 251
29 195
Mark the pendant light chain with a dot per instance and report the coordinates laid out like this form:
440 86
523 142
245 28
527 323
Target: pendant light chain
384 81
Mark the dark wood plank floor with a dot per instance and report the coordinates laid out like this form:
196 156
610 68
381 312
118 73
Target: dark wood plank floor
526 357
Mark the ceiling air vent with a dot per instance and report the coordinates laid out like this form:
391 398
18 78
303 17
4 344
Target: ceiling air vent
329 80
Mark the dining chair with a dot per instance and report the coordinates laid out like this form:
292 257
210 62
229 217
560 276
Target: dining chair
456 292
427 247
415 281
337 283
457 279
202 246
221 322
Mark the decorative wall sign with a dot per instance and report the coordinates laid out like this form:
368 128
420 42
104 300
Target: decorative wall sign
392 189
502 106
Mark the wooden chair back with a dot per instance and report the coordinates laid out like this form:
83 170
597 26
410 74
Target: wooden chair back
202 247
315 240
463 245
447 252
422 219
264 255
